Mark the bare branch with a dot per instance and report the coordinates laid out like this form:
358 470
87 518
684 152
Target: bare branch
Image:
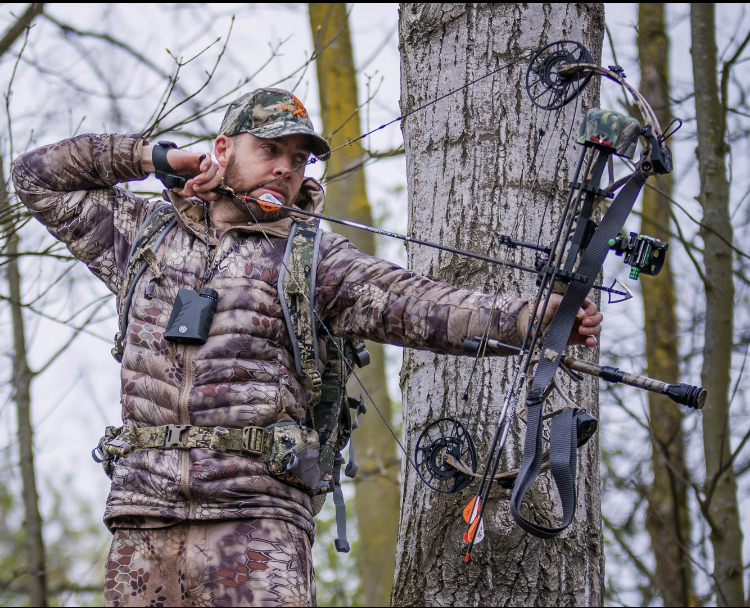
24 21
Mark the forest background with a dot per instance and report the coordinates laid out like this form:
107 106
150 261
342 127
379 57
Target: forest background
105 68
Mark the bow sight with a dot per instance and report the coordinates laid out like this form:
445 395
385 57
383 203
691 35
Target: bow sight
644 254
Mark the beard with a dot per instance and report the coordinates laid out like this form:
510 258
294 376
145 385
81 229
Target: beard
248 208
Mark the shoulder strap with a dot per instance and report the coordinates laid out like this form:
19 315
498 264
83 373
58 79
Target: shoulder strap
296 293
327 401
141 255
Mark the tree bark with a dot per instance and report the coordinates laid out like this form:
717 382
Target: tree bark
720 505
469 178
376 499
21 379
667 516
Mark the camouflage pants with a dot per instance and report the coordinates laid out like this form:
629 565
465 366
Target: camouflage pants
247 562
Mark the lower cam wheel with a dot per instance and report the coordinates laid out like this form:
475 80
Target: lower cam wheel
443 437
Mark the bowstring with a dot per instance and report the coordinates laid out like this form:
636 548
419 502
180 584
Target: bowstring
315 159
481 352
560 159
485 334
535 175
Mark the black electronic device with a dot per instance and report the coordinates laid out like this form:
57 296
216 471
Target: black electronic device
191 316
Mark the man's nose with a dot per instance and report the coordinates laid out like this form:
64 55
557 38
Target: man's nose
283 165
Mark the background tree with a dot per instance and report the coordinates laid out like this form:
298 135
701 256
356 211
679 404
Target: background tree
466 161
376 485
719 502
633 497
36 566
667 517
105 68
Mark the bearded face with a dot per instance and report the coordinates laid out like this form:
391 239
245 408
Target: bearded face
250 209
258 166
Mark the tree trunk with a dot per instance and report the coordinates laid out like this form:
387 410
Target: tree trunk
21 378
667 517
21 374
720 505
376 487
469 177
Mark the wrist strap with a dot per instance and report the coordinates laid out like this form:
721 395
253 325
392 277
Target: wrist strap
163 170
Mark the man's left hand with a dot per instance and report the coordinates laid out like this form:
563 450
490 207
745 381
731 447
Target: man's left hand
588 323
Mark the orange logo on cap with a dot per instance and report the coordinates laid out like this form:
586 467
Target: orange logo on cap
297 108
300 108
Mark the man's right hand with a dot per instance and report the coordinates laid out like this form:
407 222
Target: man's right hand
206 173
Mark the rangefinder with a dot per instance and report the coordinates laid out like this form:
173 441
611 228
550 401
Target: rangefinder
191 316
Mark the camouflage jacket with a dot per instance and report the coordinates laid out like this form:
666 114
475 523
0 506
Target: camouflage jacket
244 374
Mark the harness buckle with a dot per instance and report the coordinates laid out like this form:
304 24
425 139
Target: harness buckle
254 439
173 435
315 379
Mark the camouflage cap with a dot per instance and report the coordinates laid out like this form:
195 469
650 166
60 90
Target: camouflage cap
271 113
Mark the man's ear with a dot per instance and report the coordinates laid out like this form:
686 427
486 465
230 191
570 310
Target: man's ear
222 148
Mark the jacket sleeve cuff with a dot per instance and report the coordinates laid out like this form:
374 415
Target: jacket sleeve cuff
138 159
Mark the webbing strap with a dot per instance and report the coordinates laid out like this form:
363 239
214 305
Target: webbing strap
152 233
563 432
250 441
341 543
295 292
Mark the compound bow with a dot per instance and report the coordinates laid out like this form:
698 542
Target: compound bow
445 455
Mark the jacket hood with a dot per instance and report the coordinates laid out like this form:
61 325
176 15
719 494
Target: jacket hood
311 197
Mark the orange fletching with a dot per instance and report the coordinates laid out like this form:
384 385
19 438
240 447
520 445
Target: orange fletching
267 206
469 509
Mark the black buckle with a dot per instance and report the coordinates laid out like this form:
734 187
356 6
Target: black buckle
173 435
254 439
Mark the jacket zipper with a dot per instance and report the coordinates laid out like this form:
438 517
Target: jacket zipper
184 415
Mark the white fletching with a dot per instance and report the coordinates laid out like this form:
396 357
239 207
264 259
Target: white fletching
269 198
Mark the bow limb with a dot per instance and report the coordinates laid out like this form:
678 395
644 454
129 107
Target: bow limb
649 116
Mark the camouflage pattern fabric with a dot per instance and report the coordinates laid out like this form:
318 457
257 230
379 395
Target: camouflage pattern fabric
611 129
251 440
270 113
292 443
248 562
244 375
294 282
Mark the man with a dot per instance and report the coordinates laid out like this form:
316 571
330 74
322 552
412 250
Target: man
212 526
